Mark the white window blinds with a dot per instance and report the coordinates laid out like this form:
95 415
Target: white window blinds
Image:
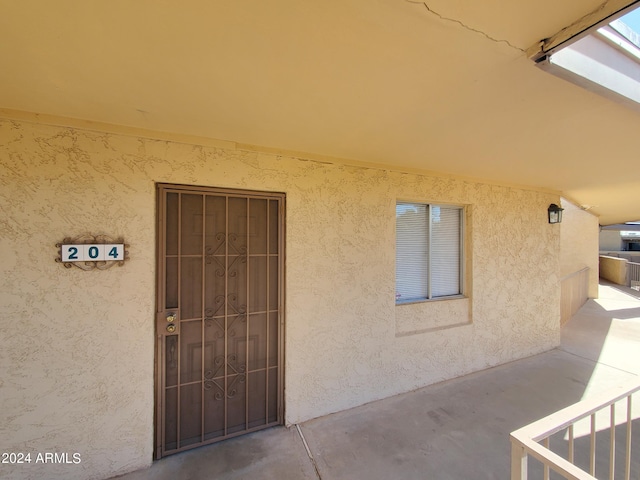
428 251
445 251
412 240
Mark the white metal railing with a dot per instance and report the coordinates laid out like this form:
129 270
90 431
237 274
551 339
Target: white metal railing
534 439
633 275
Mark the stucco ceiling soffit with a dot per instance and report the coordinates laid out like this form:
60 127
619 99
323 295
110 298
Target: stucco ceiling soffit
443 17
390 83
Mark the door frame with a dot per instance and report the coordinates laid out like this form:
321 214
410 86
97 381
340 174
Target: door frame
160 309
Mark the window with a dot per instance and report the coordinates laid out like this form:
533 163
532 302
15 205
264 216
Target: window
428 251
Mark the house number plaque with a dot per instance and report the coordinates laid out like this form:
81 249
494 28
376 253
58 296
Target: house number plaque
88 252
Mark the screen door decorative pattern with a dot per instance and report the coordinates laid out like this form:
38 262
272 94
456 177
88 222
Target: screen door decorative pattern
219 355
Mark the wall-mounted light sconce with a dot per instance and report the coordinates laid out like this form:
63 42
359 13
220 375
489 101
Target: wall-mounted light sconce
555 213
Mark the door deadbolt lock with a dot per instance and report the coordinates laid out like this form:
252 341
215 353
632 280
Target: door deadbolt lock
171 328
171 317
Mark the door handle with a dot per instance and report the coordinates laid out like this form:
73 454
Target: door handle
167 322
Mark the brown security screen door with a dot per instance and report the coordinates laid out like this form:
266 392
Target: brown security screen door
219 330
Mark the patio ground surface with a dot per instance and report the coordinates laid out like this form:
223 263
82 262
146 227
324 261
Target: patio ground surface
455 430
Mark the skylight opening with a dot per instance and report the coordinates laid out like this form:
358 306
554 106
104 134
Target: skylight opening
605 59
629 26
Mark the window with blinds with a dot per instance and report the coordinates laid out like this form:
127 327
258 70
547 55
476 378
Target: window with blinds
428 251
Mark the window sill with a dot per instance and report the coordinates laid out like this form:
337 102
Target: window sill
429 300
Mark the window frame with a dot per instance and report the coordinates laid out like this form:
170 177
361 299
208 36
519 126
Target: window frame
462 252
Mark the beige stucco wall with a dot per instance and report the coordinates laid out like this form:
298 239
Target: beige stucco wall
579 244
614 269
77 351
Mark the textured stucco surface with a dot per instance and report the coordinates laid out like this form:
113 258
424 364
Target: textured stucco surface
579 244
614 269
77 354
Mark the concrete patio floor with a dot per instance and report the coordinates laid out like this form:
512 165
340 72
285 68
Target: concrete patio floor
455 430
